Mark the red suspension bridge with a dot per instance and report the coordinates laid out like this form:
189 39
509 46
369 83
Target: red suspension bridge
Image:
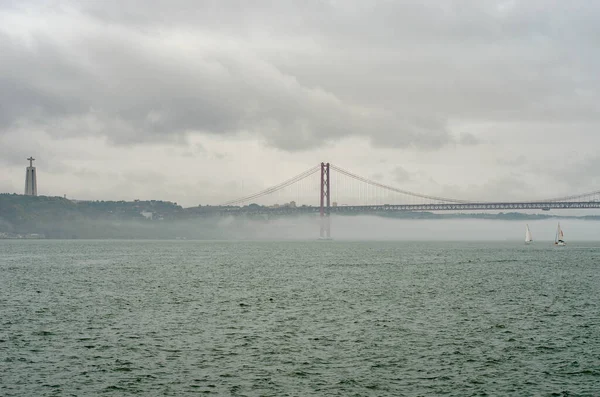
327 189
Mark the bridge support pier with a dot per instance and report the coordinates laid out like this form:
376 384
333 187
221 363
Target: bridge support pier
325 202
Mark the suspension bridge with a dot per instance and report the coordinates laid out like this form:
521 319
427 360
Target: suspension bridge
327 189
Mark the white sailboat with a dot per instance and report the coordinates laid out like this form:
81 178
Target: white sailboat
528 238
559 239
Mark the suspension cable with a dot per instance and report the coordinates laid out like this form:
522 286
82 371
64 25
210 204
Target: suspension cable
275 188
393 189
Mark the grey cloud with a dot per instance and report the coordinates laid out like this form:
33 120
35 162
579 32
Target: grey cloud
299 74
468 139
574 172
194 151
132 98
10 157
497 188
512 161
377 176
401 175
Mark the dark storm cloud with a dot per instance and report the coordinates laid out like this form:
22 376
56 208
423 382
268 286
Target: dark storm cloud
295 74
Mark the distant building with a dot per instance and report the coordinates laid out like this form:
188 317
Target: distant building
31 179
147 215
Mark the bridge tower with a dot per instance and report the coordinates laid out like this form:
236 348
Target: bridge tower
325 201
31 179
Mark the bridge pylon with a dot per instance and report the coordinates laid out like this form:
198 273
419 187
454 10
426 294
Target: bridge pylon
325 201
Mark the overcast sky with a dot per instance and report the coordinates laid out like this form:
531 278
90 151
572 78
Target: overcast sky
199 101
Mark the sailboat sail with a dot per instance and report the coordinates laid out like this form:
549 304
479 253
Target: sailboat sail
559 239
528 237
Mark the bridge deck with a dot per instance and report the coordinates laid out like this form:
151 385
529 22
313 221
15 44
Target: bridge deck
543 205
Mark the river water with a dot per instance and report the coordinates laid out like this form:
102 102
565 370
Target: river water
298 318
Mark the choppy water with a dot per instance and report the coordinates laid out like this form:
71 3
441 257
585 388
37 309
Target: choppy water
298 318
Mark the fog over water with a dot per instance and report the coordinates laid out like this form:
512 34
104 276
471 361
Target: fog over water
359 228
376 228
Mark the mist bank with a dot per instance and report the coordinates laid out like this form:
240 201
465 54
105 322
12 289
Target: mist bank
59 218
307 228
